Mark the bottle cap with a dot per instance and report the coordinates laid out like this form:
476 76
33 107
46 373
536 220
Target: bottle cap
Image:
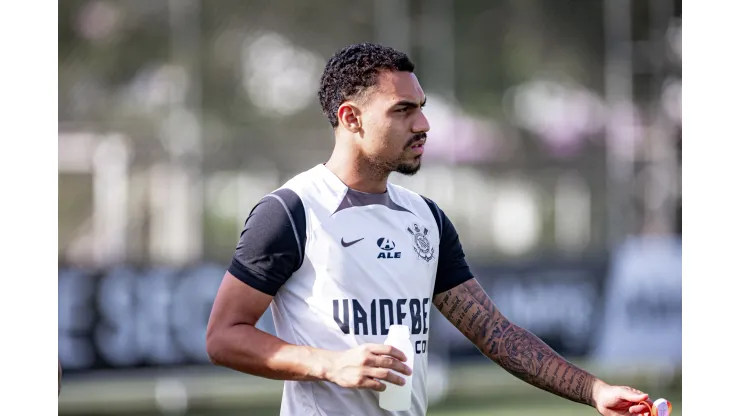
398 331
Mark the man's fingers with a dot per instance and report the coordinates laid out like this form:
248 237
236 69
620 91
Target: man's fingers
639 409
391 363
385 374
634 390
372 384
381 349
633 395
383 362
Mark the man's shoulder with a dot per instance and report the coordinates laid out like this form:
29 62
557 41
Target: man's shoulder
298 187
405 192
302 181
408 193
291 194
309 190
419 200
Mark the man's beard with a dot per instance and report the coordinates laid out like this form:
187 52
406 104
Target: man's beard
382 168
409 169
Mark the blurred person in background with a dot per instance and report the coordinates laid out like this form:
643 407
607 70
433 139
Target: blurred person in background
341 254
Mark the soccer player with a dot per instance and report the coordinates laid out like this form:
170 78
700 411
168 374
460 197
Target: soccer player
341 254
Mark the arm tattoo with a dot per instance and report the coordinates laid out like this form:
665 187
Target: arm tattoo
515 349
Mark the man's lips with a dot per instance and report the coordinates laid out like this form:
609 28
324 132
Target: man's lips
418 147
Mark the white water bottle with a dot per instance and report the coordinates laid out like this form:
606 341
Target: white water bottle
395 397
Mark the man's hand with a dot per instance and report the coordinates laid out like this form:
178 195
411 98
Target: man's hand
619 400
362 367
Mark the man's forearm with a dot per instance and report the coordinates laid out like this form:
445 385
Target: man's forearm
249 350
524 355
515 349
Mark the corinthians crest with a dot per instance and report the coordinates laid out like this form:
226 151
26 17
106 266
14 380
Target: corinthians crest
422 247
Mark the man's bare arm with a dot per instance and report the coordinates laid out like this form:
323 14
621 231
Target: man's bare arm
515 349
233 341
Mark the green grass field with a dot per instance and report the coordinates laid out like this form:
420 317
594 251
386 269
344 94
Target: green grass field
534 404
550 410
494 406
475 390
524 407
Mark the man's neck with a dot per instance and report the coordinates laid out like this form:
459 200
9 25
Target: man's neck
357 173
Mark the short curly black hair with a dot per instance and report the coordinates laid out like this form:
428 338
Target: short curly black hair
353 69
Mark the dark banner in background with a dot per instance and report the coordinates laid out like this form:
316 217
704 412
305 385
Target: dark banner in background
561 302
130 317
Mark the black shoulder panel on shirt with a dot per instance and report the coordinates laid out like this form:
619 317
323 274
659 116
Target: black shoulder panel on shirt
452 268
272 245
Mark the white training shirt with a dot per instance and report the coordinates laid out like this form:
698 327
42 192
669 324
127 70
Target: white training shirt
343 266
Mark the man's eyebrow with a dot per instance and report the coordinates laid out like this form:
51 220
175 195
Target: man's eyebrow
412 104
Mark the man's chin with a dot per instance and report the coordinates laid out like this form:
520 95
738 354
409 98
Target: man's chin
409 169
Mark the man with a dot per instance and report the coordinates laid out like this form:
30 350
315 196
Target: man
341 254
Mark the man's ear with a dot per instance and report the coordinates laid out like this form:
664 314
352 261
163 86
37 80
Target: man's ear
350 116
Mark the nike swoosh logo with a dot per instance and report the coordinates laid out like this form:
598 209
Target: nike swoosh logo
351 242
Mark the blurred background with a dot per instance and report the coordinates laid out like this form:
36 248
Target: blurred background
555 148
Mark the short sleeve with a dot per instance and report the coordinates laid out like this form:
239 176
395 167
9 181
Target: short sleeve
272 244
452 268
